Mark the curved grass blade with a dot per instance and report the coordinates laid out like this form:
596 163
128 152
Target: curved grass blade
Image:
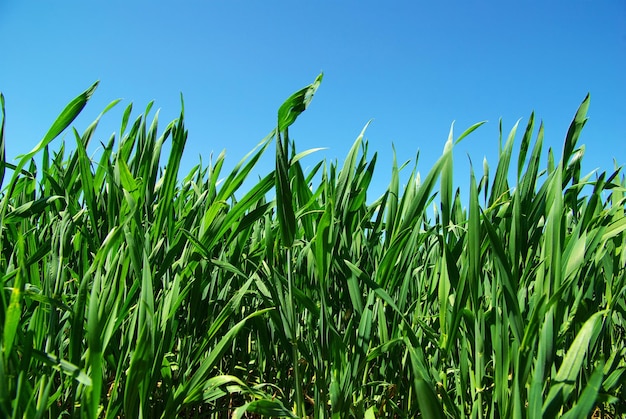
265 407
66 117
588 397
287 114
564 382
296 104
573 133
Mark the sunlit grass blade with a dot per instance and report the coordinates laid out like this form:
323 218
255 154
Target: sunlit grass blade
264 407
563 383
13 313
589 396
500 187
573 132
297 103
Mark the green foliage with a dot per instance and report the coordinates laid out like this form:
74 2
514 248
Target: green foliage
129 290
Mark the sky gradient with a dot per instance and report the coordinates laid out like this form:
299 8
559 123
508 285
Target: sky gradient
411 67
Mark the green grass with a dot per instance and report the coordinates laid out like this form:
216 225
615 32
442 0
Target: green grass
132 290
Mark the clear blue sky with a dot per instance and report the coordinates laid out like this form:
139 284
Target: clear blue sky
412 67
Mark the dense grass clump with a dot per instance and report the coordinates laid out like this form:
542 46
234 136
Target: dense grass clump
129 290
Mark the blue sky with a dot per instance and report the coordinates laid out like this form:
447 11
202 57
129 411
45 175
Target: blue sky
412 67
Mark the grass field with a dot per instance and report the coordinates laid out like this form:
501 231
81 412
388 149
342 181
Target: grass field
131 290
